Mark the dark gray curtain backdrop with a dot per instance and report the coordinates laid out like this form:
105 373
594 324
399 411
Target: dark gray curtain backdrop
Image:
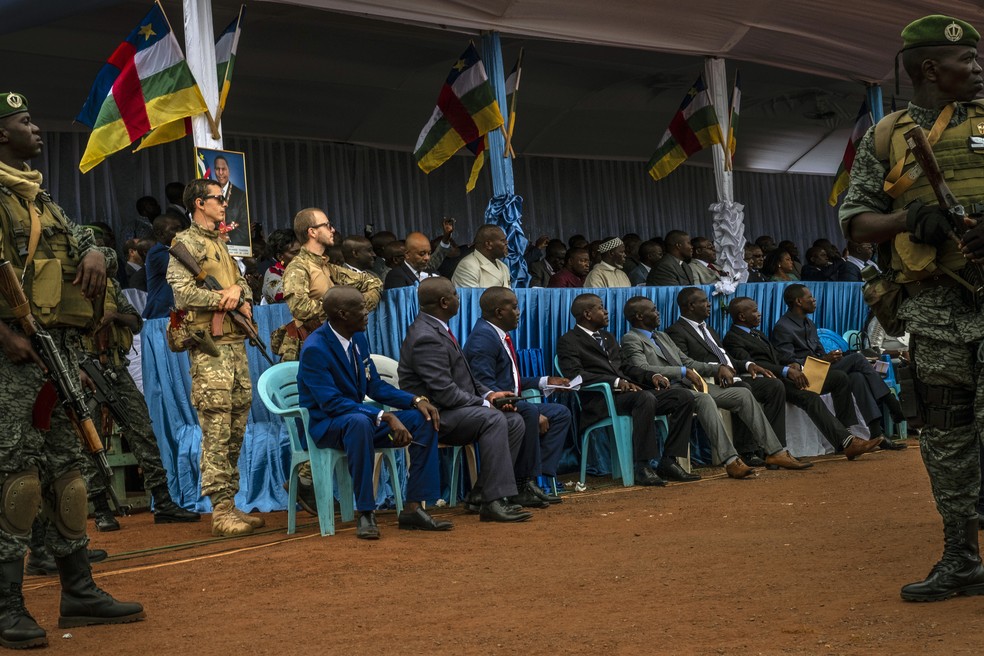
359 185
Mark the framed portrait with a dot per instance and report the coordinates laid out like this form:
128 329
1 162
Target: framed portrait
228 169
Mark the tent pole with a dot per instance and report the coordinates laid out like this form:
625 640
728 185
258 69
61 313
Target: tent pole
728 216
875 103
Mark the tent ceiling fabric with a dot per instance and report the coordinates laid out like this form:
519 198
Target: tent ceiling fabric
600 80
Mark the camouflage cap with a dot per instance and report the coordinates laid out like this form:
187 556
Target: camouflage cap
12 103
938 30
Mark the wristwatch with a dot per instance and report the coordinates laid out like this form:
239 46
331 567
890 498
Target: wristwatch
417 399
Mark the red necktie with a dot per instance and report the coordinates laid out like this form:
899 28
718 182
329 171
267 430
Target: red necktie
515 360
452 337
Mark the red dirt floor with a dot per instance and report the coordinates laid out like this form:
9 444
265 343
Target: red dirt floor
789 563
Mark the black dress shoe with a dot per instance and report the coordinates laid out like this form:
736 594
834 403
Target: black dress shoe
671 471
527 498
501 511
366 527
473 502
421 520
549 498
889 445
168 512
646 476
753 460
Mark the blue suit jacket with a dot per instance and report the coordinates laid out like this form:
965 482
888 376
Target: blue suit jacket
489 360
160 296
329 388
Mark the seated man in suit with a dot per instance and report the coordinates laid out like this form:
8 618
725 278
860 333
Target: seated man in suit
483 267
334 377
492 358
858 257
745 342
755 259
674 267
796 338
608 272
432 364
704 262
655 352
593 353
650 253
553 259
699 341
818 266
416 263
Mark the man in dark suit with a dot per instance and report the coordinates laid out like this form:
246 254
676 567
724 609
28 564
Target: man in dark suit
655 352
553 258
745 342
432 364
333 379
492 357
237 210
589 351
701 342
160 296
416 263
174 192
673 269
795 338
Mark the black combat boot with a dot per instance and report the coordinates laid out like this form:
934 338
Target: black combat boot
959 572
104 516
18 630
168 512
83 603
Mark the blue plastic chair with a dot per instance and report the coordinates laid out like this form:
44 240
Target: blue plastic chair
893 385
277 388
831 341
857 340
620 442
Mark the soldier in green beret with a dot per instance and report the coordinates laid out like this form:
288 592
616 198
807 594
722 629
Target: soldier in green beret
63 272
891 202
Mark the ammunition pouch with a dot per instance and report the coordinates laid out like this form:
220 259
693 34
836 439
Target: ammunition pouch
945 408
182 336
286 341
885 297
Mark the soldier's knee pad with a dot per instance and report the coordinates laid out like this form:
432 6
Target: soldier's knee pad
21 498
71 505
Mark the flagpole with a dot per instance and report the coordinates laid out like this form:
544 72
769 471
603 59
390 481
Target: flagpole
200 55
512 108
225 76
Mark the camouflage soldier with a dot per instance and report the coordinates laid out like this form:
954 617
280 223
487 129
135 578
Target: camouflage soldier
886 204
306 280
39 465
221 390
109 344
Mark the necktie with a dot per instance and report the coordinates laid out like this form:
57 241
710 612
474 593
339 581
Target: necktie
659 349
598 337
453 339
515 362
687 273
721 355
353 361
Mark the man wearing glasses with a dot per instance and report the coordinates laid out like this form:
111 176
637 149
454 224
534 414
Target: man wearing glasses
221 390
306 280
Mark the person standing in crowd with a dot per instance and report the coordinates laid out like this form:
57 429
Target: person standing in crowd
221 389
284 247
945 322
160 296
44 466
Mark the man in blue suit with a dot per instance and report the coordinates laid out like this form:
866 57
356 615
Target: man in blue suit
492 357
335 375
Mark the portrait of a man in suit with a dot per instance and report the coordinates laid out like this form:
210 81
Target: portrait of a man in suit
228 168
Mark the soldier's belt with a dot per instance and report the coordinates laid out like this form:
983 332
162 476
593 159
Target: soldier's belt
939 280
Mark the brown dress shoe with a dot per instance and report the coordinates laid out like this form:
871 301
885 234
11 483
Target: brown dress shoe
859 446
783 460
738 469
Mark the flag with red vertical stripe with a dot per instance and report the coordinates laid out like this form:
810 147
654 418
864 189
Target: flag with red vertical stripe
145 84
843 179
694 127
466 110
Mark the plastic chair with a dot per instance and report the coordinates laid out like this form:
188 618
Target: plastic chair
278 390
896 389
857 340
831 341
621 435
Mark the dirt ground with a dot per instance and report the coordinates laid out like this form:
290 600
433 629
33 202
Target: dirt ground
789 563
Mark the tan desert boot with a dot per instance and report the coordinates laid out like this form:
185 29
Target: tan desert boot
252 520
225 522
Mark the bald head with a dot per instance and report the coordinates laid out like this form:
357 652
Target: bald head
418 253
432 291
493 298
340 299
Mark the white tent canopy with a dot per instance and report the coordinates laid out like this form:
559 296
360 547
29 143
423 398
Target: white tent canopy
601 79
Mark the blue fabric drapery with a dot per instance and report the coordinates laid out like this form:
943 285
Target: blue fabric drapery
545 317
506 211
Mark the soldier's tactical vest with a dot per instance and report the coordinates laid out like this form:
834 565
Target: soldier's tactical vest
55 301
218 263
120 338
963 170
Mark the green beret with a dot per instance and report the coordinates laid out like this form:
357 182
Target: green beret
937 30
12 103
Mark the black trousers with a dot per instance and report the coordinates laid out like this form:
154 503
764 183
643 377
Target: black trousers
771 395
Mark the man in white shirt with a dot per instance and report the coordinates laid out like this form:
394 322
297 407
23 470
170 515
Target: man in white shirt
608 272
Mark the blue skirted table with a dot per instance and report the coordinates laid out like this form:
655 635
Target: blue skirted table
545 317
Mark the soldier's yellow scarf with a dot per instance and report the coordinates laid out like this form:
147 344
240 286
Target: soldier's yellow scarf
25 183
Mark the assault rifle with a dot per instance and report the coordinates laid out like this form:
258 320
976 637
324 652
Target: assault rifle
104 394
181 254
64 381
